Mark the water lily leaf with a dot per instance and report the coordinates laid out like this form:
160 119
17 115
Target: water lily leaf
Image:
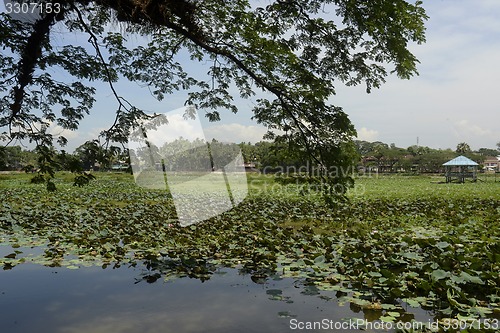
411 255
387 319
393 314
442 245
274 292
469 278
439 274
319 259
481 311
286 314
310 290
412 302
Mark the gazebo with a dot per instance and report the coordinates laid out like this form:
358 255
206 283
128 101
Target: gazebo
460 168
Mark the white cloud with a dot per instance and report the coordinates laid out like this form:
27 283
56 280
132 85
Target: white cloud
57 131
235 133
366 134
93 133
176 128
470 130
192 129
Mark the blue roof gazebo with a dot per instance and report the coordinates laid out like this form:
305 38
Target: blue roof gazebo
460 168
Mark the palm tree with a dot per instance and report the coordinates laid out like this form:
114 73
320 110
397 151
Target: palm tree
463 148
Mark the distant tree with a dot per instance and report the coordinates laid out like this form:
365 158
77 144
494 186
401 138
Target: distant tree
222 153
418 150
69 162
433 160
498 145
371 149
62 159
463 148
15 158
10 158
364 147
487 152
3 159
396 158
183 154
249 152
426 159
90 153
278 154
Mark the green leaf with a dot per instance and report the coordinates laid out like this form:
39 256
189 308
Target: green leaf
442 245
439 274
319 259
387 319
412 302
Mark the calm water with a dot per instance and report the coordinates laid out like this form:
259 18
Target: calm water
35 298
43 299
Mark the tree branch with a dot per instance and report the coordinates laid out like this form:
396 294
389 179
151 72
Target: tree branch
29 59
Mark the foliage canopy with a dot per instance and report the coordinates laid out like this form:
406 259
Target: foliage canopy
295 50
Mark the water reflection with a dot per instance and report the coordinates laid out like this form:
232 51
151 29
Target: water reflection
183 295
44 299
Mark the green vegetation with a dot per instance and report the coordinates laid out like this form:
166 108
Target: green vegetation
414 159
401 242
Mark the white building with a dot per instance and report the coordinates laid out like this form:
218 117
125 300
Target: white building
492 164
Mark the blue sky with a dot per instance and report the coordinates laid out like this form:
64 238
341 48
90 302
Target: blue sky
456 97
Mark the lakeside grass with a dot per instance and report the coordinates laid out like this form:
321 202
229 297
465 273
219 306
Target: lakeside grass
422 187
395 186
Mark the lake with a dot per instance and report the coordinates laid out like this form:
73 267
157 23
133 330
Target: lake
36 298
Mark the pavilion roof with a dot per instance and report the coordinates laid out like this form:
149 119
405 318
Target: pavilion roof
460 161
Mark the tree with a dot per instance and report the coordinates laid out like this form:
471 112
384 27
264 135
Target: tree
89 154
15 158
463 148
293 49
498 145
487 152
10 158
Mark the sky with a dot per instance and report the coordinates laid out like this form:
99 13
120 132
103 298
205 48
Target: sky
455 98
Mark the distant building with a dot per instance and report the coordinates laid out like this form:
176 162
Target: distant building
492 163
120 166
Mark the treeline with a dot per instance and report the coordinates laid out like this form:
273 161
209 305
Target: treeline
15 158
381 157
89 156
373 156
184 155
264 156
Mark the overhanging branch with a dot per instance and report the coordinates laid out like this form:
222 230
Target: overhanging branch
29 60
